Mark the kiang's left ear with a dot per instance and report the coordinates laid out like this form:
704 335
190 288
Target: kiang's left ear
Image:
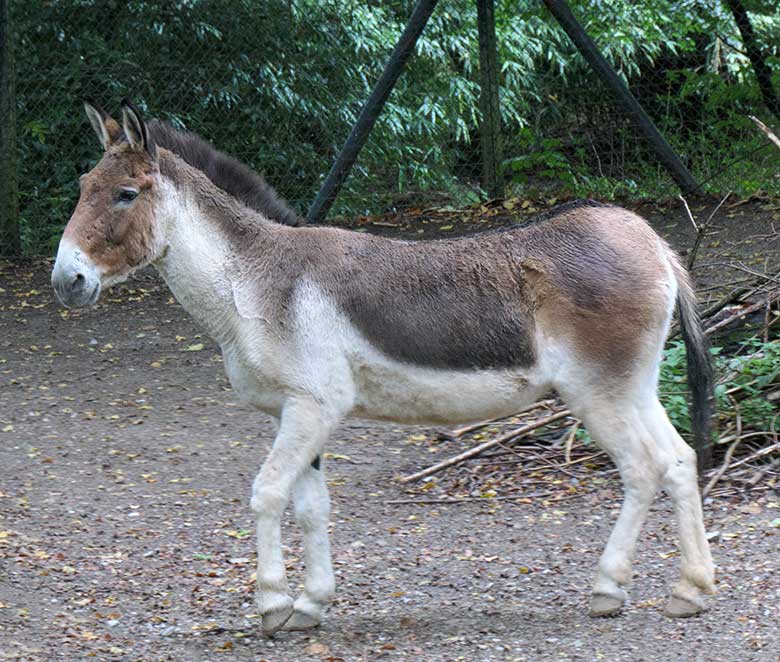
106 128
135 129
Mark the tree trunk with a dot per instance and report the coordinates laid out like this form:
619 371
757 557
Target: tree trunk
9 198
763 74
492 177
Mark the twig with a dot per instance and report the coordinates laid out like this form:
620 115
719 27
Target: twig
583 459
728 439
722 470
729 453
715 211
423 502
476 450
767 320
771 298
569 442
767 131
454 434
763 276
762 472
756 455
701 230
690 215
731 297
735 294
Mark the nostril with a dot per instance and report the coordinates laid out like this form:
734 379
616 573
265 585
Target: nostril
78 282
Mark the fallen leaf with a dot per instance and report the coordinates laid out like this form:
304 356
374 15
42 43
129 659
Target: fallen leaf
336 456
316 649
241 533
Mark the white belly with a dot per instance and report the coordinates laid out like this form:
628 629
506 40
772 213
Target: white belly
389 390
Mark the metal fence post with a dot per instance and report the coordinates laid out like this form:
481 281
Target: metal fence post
376 101
591 53
490 130
9 199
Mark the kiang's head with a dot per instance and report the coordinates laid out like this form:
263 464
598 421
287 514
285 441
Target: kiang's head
114 229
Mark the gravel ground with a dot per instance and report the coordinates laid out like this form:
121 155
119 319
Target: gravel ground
126 533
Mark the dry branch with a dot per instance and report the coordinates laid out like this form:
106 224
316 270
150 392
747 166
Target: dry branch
743 292
477 450
701 229
455 434
727 460
771 298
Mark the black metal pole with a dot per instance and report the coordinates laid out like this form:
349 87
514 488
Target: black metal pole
9 198
591 53
371 110
490 134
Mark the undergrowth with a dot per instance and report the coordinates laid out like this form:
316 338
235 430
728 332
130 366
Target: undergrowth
746 375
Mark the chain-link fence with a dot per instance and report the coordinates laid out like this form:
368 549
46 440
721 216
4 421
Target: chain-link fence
278 84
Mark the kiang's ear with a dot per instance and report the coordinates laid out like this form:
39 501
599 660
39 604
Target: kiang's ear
106 128
135 129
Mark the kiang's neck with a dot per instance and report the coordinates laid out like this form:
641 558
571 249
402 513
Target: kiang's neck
194 190
206 230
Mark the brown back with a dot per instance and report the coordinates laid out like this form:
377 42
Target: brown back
474 302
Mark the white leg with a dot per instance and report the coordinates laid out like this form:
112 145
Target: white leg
617 428
679 480
312 510
302 432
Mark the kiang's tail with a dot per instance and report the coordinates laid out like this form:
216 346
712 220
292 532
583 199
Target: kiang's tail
700 373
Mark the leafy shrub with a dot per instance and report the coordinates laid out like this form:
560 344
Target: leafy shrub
279 84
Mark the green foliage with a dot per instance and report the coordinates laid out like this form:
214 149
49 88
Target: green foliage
543 160
745 371
279 84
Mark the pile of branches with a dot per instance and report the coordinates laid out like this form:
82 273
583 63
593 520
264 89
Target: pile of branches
542 452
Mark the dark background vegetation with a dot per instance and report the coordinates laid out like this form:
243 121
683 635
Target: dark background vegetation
279 83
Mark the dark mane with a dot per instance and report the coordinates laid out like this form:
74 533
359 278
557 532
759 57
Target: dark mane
229 174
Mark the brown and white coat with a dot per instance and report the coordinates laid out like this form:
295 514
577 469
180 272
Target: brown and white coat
317 324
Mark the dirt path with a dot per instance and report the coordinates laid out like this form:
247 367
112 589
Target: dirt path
125 529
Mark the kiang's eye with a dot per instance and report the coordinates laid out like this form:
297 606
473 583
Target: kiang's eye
127 195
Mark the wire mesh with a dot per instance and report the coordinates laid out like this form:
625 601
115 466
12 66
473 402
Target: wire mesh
279 83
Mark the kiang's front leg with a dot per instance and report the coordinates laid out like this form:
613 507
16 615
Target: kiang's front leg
312 511
303 429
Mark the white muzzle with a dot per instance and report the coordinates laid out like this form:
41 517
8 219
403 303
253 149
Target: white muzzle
74 277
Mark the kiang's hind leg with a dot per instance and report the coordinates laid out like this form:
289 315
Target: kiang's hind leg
616 425
677 462
649 453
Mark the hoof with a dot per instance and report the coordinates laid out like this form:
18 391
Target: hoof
683 608
274 620
602 605
301 621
